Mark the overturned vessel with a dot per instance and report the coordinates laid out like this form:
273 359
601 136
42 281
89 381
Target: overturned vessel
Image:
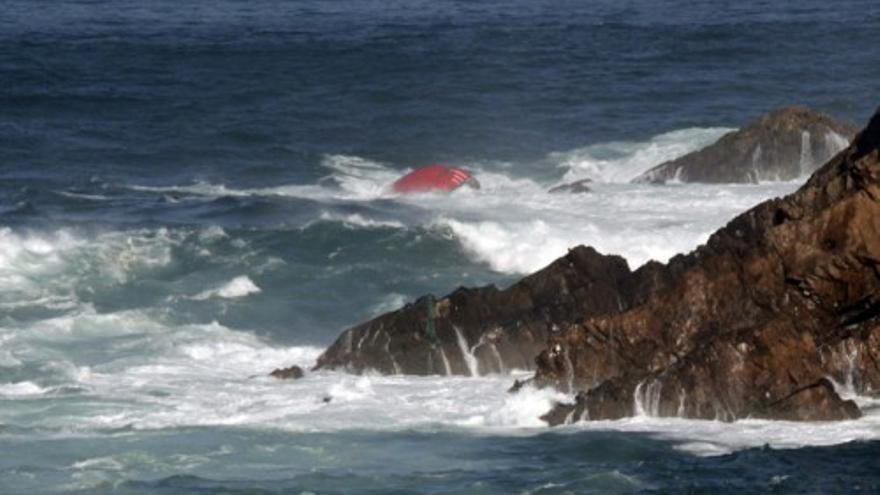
434 178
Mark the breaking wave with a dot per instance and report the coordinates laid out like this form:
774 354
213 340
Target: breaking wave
514 225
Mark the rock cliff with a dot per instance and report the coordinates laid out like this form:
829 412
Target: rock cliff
784 144
752 324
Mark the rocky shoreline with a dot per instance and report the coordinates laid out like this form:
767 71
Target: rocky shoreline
784 144
771 318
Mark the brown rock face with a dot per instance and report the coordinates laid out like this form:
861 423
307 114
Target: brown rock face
756 323
784 144
485 330
753 323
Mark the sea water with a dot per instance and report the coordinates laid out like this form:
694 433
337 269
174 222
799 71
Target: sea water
196 193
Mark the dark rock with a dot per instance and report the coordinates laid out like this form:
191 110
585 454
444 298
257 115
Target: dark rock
292 373
784 144
752 323
487 330
576 187
755 323
814 402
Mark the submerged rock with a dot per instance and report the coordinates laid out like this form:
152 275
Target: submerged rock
784 144
576 187
291 373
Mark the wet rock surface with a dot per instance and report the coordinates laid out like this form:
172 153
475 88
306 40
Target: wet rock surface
752 324
785 144
775 316
486 330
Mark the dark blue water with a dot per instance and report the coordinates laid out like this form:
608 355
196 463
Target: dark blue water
191 192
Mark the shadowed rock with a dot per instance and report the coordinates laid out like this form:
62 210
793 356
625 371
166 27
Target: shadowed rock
291 373
761 321
784 144
752 324
487 330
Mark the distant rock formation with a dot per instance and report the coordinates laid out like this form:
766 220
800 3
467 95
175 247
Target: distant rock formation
784 144
761 321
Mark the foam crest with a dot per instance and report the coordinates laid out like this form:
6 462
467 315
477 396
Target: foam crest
639 222
622 161
711 438
21 389
236 288
351 178
356 220
210 375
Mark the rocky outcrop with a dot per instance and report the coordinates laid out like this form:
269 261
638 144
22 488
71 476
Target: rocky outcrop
773 317
784 144
485 330
752 324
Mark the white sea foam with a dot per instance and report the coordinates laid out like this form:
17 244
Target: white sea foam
622 161
389 302
238 287
209 375
639 222
356 220
21 389
709 438
52 270
514 225
139 370
351 178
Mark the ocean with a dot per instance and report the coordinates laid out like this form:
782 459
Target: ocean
195 193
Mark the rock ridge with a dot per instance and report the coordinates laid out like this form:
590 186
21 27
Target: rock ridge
759 322
776 316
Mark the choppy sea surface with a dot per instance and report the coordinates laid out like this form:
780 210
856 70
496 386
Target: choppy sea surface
195 193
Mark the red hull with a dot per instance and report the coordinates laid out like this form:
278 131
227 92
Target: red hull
432 178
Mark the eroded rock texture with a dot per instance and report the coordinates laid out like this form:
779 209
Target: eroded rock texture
777 313
485 330
751 324
784 144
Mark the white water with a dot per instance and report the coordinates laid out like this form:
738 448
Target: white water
209 375
513 225
238 287
139 369
467 353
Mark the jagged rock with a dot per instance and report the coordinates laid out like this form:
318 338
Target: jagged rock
486 330
576 187
752 323
784 144
291 373
755 323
